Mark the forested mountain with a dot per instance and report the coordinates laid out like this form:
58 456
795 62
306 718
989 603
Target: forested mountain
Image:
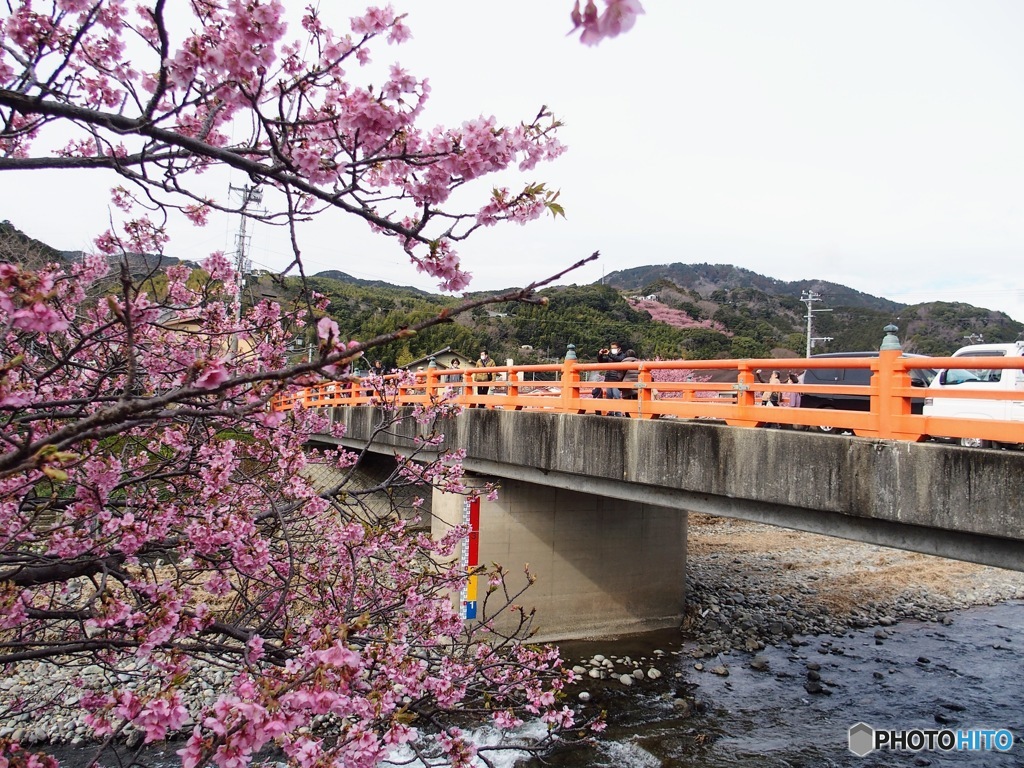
675 310
707 279
722 311
756 308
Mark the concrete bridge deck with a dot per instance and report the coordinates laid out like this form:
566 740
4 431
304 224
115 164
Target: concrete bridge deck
598 504
927 497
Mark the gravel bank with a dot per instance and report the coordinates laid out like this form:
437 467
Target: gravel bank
751 585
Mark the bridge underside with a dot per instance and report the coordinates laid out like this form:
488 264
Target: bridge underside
925 497
639 478
603 566
957 545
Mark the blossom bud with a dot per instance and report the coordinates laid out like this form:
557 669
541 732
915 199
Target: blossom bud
577 17
55 473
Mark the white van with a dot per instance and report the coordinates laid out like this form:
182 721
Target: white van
982 379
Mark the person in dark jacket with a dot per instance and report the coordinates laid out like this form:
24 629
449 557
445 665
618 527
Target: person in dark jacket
631 376
613 354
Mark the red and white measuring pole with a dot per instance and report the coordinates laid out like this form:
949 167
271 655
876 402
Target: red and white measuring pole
471 556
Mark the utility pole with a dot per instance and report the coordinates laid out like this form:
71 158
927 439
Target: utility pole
249 195
808 298
243 265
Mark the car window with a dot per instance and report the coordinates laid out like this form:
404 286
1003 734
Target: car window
982 374
823 375
959 376
858 376
921 377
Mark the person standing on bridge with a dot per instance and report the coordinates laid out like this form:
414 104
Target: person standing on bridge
792 399
484 362
613 354
454 379
771 396
631 376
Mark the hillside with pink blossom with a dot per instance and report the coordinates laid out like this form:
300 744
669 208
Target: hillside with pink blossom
677 318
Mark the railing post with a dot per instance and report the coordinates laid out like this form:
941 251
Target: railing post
889 377
430 385
746 399
570 380
512 391
644 395
744 388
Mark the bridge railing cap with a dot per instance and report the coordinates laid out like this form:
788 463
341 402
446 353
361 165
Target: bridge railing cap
891 340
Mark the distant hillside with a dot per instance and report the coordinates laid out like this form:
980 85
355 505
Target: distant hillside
344 277
694 311
709 278
758 307
15 245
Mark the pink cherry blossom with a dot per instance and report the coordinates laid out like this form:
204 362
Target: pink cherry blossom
327 330
212 373
618 17
157 508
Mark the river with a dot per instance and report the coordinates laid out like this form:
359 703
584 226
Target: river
962 673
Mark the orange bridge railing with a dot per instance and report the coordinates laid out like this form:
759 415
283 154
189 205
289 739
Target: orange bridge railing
724 390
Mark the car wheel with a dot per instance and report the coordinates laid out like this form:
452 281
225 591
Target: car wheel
975 442
828 430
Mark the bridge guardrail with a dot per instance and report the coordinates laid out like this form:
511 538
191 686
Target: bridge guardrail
692 395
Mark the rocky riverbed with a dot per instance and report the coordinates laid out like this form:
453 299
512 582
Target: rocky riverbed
750 588
790 638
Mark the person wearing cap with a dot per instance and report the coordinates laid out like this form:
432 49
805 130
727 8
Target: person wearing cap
484 362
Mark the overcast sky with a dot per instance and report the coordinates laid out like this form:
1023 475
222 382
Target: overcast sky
875 144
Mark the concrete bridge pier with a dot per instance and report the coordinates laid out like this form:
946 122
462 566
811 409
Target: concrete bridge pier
604 566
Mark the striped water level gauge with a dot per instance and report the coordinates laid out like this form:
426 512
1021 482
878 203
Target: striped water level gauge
471 555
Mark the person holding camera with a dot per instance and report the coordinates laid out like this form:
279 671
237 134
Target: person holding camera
613 354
